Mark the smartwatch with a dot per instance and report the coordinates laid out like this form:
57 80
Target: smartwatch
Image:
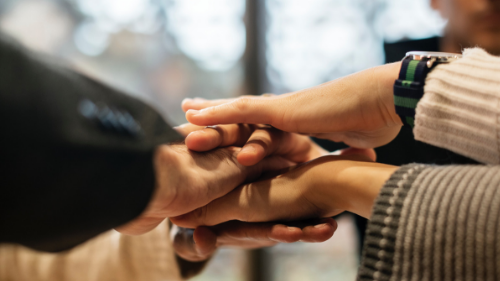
409 88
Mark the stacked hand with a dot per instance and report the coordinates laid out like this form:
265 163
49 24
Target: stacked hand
223 222
358 110
208 167
216 192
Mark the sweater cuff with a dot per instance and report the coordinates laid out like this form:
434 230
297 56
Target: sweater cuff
459 110
379 244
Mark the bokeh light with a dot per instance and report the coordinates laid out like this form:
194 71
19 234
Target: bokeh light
210 32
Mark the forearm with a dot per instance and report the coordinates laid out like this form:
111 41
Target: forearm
429 215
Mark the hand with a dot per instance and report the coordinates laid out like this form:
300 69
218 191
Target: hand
200 243
262 141
257 141
323 187
357 109
186 180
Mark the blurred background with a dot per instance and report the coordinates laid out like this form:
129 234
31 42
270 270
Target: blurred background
163 51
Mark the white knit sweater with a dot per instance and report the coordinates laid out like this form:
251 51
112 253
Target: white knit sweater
108 257
460 110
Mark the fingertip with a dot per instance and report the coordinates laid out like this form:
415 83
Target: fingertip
195 103
202 140
250 155
192 141
185 221
285 234
369 153
192 112
372 154
185 104
205 240
320 232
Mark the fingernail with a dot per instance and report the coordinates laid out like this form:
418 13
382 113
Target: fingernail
179 127
320 225
248 149
193 112
279 240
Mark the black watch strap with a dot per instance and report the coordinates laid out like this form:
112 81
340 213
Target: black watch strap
409 88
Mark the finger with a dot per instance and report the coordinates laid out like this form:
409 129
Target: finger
201 103
139 226
319 232
186 129
247 110
273 165
270 141
262 142
256 235
262 234
193 245
212 137
369 153
253 235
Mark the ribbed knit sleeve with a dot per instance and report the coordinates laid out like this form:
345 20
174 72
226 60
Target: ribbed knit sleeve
460 109
435 223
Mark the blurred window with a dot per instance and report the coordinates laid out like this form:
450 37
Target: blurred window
312 42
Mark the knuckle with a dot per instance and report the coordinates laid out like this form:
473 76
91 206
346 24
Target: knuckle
162 154
200 215
242 103
244 203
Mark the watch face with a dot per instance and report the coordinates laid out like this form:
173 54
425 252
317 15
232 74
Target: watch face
436 56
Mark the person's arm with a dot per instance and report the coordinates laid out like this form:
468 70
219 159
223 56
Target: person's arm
76 157
459 110
461 107
435 223
426 222
357 109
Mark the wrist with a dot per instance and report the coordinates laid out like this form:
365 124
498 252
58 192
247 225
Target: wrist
355 185
366 182
385 76
348 183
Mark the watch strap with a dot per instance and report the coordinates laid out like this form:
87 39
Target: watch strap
409 88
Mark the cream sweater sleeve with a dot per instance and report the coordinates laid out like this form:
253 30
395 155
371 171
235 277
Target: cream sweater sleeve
108 257
460 109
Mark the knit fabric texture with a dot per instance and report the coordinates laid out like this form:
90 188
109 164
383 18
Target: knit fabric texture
435 223
108 257
460 108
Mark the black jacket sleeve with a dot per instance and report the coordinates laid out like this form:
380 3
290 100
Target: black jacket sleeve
76 157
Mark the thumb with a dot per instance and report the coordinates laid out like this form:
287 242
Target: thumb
248 110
